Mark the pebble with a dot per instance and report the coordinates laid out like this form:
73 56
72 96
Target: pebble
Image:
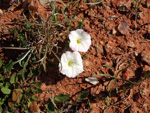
123 27
92 80
45 2
114 31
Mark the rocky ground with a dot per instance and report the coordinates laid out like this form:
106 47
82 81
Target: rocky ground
120 35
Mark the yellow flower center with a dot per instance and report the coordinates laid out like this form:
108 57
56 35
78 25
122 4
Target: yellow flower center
69 63
78 41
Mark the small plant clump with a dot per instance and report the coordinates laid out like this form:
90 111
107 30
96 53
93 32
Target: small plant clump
36 40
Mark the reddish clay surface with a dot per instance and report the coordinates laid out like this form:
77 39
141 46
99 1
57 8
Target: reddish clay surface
110 46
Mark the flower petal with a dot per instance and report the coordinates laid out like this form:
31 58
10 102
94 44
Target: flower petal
75 68
83 47
79 31
86 35
78 58
72 38
84 39
74 34
69 55
74 46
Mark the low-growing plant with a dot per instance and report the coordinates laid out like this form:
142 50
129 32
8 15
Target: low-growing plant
136 4
115 76
35 41
62 103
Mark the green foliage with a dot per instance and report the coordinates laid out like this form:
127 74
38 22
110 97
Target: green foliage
37 84
136 4
107 100
50 107
2 77
83 95
13 79
61 98
84 56
34 97
95 3
115 75
124 90
8 67
34 39
1 63
5 90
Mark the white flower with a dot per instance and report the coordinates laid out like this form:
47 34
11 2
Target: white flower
79 40
71 64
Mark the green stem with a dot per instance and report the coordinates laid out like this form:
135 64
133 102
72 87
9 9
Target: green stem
25 65
128 81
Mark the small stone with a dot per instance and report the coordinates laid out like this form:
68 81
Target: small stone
92 80
123 27
1 12
45 2
114 31
136 53
131 44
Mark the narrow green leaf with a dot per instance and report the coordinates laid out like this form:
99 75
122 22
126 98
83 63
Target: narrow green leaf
110 84
95 3
109 67
1 63
107 100
83 95
61 97
30 74
105 75
116 85
13 79
124 90
8 67
124 69
128 81
75 12
6 90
